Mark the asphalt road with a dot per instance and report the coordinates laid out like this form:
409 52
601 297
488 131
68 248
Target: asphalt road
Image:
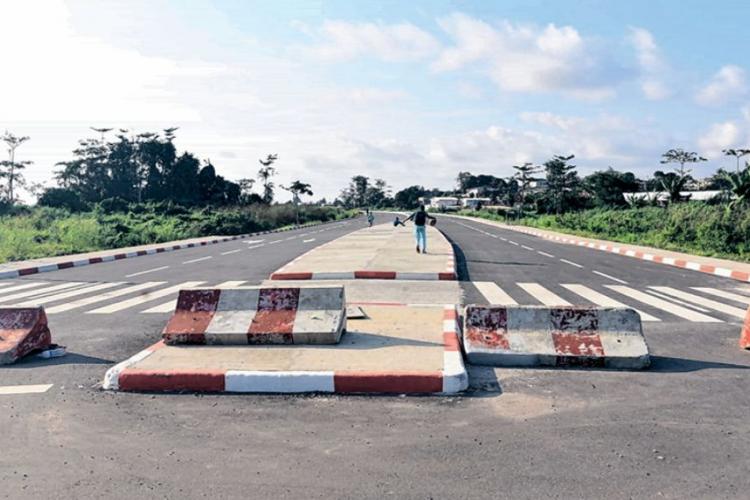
677 430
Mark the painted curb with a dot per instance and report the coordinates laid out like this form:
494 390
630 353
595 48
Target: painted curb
565 336
44 268
623 249
745 335
451 379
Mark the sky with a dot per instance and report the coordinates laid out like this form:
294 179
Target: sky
411 92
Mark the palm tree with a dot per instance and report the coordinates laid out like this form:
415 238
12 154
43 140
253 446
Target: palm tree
297 188
740 189
13 166
737 153
265 174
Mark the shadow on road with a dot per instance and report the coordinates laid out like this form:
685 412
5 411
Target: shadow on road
69 359
666 364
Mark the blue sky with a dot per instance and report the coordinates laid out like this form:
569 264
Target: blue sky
412 92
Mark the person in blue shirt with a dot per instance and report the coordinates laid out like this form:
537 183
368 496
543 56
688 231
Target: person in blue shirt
420 231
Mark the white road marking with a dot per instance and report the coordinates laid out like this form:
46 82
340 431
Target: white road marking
677 301
512 242
494 294
23 287
697 299
571 263
545 254
231 251
146 297
543 295
5 283
602 300
663 304
105 296
256 246
290 238
67 295
308 241
611 277
504 239
273 242
146 272
39 291
527 248
170 306
253 242
198 260
724 294
24 389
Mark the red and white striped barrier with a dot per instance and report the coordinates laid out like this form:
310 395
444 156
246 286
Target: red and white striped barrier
638 254
745 335
558 336
255 315
22 330
15 273
451 379
365 275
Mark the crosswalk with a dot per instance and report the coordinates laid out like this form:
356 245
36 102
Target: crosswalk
653 303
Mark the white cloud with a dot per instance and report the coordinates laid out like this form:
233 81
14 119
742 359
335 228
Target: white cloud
469 90
550 119
66 77
524 58
651 63
341 41
719 136
727 84
370 95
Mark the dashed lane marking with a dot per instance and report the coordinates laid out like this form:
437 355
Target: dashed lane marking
198 260
8 390
572 263
545 254
610 277
147 271
231 251
527 248
512 242
308 241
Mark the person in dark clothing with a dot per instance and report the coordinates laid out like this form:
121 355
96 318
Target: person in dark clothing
420 231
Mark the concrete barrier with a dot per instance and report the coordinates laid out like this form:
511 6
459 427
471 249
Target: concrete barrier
22 330
558 336
745 335
255 315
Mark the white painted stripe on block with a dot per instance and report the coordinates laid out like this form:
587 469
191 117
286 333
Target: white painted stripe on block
9 275
693 266
333 276
702 301
663 305
455 377
9 390
602 300
146 297
147 271
494 294
543 295
668 260
722 271
281 382
230 284
105 296
417 276
112 377
8 299
47 268
724 294
68 294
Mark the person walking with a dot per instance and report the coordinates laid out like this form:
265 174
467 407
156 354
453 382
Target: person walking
420 231
370 219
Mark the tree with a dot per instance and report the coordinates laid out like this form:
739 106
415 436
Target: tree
463 181
682 157
265 173
247 196
377 194
409 198
355 194
740 186
298 188
524 176
562 182
12 167
607 187
737 153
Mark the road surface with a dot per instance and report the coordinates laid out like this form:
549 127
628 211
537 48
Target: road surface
677 430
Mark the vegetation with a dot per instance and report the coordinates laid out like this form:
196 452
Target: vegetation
27 233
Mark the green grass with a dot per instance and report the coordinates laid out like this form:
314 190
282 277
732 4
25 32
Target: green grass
45 232
693 227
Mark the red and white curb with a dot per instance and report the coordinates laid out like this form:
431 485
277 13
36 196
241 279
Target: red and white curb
451 379
15 273
630 252
652 257
283 274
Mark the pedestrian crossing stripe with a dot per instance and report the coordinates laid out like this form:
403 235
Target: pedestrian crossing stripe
694 304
